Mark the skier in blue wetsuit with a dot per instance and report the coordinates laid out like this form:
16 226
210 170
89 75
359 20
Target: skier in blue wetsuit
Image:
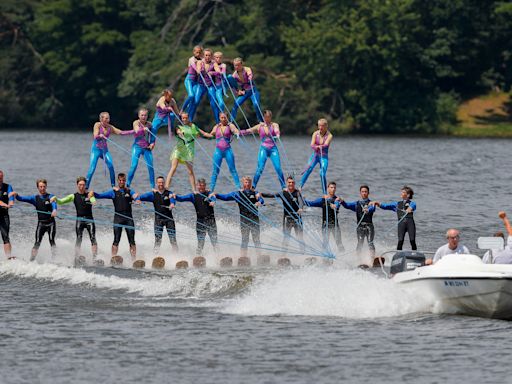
330 208
404 210
223 133
99 150
143 144
269 132
242 82
320 141
122 197
205 84
46 213
191 80
248 202
166 112
364 215
163 202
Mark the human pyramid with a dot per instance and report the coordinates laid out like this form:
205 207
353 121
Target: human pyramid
207 74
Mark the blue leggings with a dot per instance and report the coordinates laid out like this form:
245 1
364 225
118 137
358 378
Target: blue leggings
218 155
263 155
190 86
255 98
148 158
201 89
221 106
313 161
97 153
159 122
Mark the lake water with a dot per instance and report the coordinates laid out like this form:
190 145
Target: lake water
256 325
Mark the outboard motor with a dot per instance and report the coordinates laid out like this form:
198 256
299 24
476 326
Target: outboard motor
406 261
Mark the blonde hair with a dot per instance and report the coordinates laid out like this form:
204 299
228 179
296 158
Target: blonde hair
143 110
323 121
249 178
238 60
218 53
208 50
103 114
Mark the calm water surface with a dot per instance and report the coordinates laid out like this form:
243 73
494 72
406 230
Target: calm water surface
301 325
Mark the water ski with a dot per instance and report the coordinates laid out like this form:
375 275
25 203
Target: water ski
199 262
284 262
139 264
98 262
363 266
182 264
263 260
226 262
244 261
80 261
116 260
310 261
11 258
158 262
378 261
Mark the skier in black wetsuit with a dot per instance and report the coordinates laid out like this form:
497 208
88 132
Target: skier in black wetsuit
364 215
6 202
293 204
122 197
46 212
163 202
404 210
85 221
330 208
248 202
205 214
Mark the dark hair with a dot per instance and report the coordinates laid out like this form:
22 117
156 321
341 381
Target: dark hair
121 175
290 177
499 234
201 181
167 91
80 178
364 186
332 183
160 177
408 190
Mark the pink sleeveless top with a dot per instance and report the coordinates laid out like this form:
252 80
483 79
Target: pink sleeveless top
223 139
324 148
267 140
100 142
140 137
245 81
192 74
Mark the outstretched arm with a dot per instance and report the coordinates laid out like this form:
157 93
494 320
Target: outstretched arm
389 206
189 198
65 200
27 199
508 227
148 196
105 195
314 203
254 129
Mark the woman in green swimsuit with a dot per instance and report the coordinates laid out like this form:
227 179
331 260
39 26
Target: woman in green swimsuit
184 151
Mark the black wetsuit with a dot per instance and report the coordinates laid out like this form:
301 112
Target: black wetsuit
4 213
45 222
84 211
365 230
292 203
163 216
249 217
406 225
123 216
205 218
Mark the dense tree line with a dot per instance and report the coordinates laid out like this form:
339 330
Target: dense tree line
385 66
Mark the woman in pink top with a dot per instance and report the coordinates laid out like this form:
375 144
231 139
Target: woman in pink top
320 141
242 82
269 133
99 149
223 133
192 78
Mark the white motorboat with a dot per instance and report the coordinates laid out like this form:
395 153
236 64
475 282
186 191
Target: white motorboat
458 283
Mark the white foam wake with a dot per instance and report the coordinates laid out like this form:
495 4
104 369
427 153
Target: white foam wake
327 292
189 284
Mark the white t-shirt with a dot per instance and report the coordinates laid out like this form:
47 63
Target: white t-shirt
445 250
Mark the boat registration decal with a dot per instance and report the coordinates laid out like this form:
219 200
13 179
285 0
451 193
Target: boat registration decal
456 283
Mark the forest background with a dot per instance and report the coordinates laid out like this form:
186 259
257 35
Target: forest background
373 66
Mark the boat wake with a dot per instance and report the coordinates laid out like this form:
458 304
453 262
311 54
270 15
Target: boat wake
187 284
327 292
